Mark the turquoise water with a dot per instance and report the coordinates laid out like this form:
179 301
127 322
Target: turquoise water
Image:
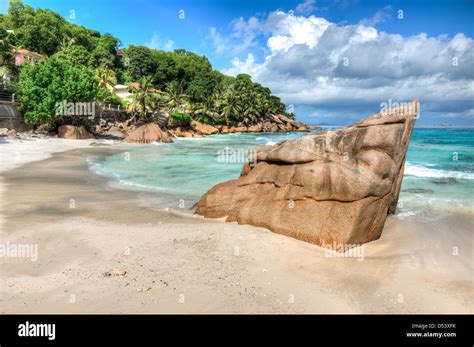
439 172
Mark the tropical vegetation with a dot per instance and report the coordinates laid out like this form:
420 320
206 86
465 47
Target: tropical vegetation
84 65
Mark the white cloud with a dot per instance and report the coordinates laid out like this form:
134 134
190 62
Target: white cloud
241 39
156 42
306 7
248 66
220 43
311 61
379 17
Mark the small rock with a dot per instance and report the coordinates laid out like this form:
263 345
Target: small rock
3 131
11 134
115 273
118 272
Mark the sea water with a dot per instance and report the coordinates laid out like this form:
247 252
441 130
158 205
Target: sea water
439 173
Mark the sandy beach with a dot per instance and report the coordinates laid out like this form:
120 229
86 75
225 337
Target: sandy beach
102 249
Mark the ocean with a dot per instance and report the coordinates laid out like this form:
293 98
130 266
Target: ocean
439 173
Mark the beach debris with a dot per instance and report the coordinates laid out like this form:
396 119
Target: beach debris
115 273
331 188
140 290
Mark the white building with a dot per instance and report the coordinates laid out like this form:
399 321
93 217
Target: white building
122 91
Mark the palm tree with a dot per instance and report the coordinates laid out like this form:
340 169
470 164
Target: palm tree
230 106
253 108
207 108
107 78
175 98
143 100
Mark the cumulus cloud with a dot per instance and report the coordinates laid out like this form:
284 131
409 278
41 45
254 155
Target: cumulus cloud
242 38
318 64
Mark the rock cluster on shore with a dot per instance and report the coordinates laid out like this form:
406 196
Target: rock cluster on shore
330 188
147 133
152 132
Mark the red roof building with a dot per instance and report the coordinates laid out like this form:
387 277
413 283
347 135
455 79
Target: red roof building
24 55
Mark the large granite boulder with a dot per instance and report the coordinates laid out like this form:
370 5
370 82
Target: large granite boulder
72 132
115 132
203 129
330 188
148 133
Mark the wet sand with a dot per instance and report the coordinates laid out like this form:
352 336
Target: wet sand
179 263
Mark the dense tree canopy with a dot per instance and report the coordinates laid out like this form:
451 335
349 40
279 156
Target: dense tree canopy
53 81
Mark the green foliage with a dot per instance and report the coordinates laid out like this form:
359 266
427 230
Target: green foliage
201 86
140 62
144 101
107 98
179 119
41 31
165 70
45 32
44 84
105 51
77 55
6 56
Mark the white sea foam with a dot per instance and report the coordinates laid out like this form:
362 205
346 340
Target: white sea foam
422 171
270 143
406 214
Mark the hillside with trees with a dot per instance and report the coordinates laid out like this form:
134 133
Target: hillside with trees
84 65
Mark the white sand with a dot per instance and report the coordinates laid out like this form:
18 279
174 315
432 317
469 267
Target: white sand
15 153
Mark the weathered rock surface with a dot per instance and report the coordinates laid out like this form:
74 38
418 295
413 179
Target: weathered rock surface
72 132
203 129
330 188
256 128
116 132
148 133
178 132
12 134
42 129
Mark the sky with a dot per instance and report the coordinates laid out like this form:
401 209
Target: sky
332 61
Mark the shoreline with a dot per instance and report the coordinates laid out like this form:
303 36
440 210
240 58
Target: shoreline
185 264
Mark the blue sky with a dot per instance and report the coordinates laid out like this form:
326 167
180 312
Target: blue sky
279 48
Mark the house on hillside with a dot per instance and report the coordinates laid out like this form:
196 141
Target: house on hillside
6 76
122 91
23 56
